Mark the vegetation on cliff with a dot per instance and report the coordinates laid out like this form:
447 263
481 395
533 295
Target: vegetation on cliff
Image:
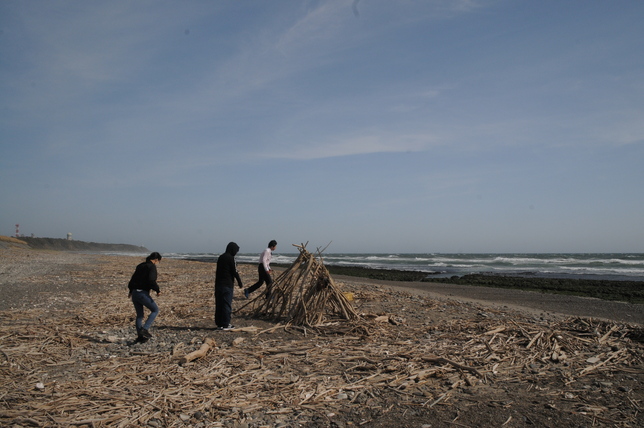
72 245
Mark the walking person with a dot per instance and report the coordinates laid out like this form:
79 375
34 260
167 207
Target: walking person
142 282
264 270
224 286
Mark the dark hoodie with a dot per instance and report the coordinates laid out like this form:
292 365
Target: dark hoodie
144 278
227 268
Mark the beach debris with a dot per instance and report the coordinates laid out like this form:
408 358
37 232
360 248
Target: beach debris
382 318
444 360
441 360
208 344
305 294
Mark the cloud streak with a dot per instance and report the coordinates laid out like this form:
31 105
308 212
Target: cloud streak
359 145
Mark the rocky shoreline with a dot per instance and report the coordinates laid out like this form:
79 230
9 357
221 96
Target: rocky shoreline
624 291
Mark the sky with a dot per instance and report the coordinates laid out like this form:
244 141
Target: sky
370 126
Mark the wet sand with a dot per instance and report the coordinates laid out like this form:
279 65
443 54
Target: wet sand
536 303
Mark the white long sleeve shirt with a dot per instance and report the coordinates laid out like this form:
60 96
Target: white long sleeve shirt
265 259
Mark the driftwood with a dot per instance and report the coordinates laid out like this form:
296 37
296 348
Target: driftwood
201 352
305 294
61 367
441 360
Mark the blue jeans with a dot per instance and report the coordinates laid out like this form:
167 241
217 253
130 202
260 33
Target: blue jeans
143 299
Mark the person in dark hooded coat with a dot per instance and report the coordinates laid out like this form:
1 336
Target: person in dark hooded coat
224 286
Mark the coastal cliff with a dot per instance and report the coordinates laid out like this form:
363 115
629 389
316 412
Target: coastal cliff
71 245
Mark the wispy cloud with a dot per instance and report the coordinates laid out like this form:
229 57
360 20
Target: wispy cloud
358 145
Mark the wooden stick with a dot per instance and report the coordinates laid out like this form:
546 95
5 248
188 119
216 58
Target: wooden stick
208 343
455 364
607 335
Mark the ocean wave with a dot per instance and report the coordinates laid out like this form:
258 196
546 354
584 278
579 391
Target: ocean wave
565 265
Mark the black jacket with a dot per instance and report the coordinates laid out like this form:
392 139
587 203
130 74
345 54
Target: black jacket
144 278
227 268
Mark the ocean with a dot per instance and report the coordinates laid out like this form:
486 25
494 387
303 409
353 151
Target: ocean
605 266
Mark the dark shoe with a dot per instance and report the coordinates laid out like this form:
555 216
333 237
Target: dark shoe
246 293
146 334
141 339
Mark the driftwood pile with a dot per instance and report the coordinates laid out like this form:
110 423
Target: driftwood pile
442 363
304 294
265 380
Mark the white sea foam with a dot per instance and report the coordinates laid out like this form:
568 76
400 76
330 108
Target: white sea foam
610 266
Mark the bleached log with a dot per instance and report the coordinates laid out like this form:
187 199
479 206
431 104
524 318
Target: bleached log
201 352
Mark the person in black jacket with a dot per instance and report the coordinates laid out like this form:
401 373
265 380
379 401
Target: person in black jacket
224 286
143 280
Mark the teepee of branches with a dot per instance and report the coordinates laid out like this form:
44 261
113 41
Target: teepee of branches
304 294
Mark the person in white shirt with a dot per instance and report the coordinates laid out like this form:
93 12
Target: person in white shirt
263 269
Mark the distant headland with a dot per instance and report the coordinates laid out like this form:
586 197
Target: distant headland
59 244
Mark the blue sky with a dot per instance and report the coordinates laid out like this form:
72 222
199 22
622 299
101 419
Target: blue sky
378 126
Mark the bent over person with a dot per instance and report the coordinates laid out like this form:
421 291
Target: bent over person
224 286
142 282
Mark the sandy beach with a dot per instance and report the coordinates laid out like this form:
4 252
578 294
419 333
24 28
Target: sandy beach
421 355
542 304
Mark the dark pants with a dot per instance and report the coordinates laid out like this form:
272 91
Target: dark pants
142 299
223 305
264 277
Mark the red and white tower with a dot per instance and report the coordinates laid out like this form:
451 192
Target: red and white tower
17 231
